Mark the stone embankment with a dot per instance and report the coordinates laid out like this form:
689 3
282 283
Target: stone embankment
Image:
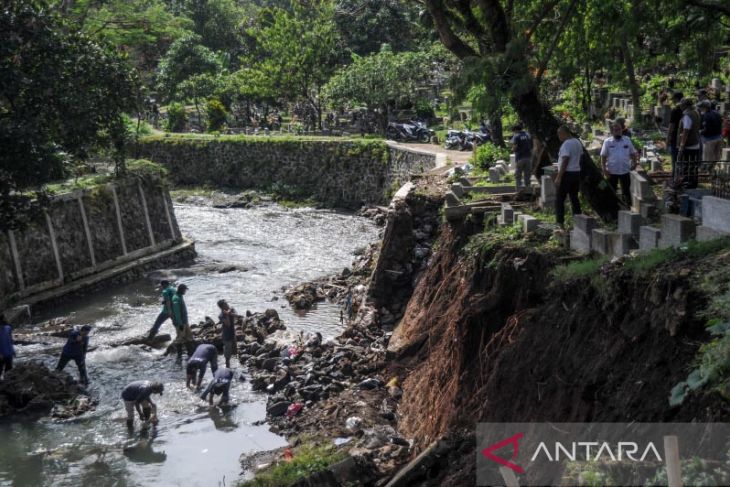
344 173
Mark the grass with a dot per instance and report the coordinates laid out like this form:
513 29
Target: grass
260 137
307 460
692 250
579 269
135 167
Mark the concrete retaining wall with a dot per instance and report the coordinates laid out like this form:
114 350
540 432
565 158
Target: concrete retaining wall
83 234
345 173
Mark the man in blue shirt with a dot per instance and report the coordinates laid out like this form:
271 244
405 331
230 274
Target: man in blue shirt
137 396
710 132
168 292
75 349
220 384
7 348
522 147
199 362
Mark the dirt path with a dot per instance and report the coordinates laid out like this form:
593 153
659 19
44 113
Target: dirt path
457 158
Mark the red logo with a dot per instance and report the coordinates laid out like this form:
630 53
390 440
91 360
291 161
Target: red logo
513 440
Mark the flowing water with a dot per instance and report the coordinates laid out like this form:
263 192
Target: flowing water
260 250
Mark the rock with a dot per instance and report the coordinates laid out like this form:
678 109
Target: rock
269 364
32 387
278 408
369 384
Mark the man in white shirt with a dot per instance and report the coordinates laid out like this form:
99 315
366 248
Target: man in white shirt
619 158
567 181
689 145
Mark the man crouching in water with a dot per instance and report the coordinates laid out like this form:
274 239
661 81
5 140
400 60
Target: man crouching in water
137 396
221 384
199 362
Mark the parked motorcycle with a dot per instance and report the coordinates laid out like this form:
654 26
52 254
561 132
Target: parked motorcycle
414 130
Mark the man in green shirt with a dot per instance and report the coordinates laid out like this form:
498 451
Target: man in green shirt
180 320
168 291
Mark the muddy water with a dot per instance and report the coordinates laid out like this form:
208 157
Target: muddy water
259 250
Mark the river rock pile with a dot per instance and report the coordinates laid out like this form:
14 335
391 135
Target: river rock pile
32 388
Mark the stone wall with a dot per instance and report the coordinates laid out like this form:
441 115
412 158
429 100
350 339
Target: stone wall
345 173
84 233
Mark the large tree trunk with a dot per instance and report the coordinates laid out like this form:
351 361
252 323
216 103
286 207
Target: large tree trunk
541 122
497 130
631 75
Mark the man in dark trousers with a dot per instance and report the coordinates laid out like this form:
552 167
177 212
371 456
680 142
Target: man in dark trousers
199 362
674 118
7 348
137 396
567 181
75 349
227 318
184 336
168 292
522 147
220 384
618 159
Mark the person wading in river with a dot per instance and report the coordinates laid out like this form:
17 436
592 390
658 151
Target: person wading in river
7 348
228 330
137 396
75 349
168 292
220 384
199 362
180 320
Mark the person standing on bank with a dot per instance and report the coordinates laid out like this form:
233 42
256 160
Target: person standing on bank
137 396
710 132
7 347
180 320
674 118
688 154
567 181
618 159
168 292
75 349
228 330
522 147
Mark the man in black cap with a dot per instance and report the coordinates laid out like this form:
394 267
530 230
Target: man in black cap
137 396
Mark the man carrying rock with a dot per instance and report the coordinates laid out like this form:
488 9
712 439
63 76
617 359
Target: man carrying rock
7 348
199 362
618 159
221 384
180 320
168 292
522 147
137 396
75 349
228 330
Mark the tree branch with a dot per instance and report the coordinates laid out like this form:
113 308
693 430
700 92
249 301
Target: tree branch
470 22
547 8
554 43
450 40
494 13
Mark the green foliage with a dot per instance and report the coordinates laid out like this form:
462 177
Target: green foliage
177 117
216 114
696 472
188 69
217 22
308 459
645 263
487 154
579 269
62 96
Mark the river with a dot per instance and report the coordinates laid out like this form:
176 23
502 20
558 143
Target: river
194 445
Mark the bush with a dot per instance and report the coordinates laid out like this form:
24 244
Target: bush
424 110
487 154
217 114
177 117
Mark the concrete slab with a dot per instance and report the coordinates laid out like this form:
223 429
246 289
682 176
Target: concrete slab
458 190
704 233
629 223
452 200
676 230
529 223
507 214
494 175
584 223
716 213
580 241
622 244
602 241
649 238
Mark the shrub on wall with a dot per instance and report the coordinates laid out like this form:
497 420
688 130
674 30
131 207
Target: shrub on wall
217 114
487 154
177 117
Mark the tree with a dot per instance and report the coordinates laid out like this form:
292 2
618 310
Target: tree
491 39
218 23
296 50
186 68
380 81
60 92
